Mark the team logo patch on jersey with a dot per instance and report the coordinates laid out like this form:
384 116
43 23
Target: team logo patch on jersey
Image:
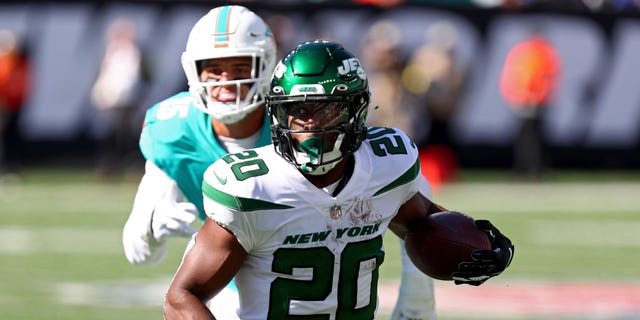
335 212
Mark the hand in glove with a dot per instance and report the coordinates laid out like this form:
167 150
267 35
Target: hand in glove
173 219
486 263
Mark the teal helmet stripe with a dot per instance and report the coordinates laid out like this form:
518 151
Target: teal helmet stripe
405 178
239 203
223 24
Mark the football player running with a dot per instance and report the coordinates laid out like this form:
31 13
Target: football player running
229 58
299 225
228 61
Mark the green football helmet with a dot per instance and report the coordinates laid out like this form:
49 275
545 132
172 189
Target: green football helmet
326 81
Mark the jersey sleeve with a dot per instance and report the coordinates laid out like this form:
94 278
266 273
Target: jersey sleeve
163 127
178 139
222 204
397 162
242 194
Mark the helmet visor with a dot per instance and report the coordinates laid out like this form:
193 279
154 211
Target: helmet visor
312 115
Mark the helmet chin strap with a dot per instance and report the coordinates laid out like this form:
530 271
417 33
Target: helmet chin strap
313 147
312 150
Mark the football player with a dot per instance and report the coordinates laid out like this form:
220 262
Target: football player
229 58
228 61
299 224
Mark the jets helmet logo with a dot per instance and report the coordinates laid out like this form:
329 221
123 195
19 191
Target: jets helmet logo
350 65
280 70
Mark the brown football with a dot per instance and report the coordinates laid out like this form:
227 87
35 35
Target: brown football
448 238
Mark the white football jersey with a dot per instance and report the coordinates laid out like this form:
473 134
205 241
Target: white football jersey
310 253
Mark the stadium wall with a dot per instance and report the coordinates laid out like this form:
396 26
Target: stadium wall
594 122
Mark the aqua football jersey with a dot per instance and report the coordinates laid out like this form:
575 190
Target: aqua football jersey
179 139
310 254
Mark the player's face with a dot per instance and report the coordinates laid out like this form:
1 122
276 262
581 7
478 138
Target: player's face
314 116
226 69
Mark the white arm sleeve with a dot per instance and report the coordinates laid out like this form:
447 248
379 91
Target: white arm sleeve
140 247
416 295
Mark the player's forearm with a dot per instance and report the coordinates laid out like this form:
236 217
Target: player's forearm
435 208
183 304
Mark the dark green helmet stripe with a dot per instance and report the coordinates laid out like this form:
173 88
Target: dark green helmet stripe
239 203
406 177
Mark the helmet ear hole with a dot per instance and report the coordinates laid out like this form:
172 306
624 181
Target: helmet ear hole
341 88
278 90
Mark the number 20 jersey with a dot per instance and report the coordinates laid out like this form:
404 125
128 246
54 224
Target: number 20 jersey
310 253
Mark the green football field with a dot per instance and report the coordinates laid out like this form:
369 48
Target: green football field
576 234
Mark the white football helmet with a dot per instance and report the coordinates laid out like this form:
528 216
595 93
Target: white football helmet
224 32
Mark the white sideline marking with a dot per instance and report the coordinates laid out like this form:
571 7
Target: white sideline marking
122 293
567 198
497 300
585 233
29 240
19 240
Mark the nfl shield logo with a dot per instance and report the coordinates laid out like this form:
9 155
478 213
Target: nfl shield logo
336 212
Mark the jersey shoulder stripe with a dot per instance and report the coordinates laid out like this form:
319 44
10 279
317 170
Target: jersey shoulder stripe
387 160
259 174
405 178
239 203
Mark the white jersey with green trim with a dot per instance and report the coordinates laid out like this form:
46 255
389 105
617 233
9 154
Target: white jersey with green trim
310 253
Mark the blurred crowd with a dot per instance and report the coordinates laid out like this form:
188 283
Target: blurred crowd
15 74
420 93
116 96
430 75
619 6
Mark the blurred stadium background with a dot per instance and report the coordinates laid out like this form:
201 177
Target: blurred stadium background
577 229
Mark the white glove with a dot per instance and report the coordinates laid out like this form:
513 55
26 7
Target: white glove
158 213
173 219
415 297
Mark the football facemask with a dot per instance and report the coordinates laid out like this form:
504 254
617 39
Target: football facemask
318 106
316 132
225 32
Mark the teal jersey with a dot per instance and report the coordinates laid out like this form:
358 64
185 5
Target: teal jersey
179 139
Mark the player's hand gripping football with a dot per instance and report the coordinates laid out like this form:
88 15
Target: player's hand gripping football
486 263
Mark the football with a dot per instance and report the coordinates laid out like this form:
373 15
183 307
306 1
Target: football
447 239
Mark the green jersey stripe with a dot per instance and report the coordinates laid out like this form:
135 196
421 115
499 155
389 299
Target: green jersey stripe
239 203
406 177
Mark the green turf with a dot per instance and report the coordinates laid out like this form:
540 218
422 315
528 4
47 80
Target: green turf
62 257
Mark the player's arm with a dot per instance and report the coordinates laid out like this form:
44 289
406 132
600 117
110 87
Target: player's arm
158 212
207 267
413 214
415 295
